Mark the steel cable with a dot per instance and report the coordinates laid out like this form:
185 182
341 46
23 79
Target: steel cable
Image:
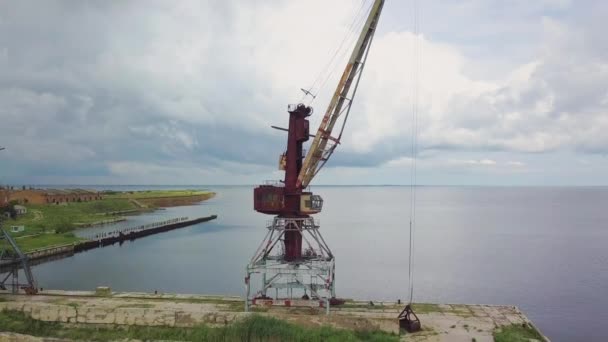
341 50
416 66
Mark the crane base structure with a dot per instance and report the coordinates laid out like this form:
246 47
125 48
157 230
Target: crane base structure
307 281
12 257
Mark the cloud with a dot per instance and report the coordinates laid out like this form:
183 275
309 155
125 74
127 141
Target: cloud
516 163
553 102
482 162
105 89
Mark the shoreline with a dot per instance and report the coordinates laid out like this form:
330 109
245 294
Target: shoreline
48 226
52 253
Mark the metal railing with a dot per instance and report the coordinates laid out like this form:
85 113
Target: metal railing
282 222
274 182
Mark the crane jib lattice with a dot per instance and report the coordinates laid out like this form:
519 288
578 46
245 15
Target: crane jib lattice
324 143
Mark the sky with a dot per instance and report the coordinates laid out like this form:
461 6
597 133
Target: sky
162 92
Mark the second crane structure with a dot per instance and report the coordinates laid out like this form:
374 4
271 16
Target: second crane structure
294 255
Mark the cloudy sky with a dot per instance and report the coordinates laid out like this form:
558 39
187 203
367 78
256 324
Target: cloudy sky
163 92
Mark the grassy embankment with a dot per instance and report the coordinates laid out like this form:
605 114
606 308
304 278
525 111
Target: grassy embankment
162 198
52 225
253 328
155 193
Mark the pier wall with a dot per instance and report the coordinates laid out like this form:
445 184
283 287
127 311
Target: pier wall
48 252
71 313
136 234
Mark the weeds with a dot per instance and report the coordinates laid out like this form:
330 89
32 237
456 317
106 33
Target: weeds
517 333
252 328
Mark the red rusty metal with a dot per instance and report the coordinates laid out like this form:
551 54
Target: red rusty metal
268 199
284 201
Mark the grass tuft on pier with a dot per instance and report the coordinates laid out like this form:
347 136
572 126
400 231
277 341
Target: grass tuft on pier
517 333
252 328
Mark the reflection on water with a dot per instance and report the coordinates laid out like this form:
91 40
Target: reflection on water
543 249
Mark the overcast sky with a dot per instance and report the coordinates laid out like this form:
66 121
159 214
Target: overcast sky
184 92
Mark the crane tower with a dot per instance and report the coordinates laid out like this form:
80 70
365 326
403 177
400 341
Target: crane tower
293 259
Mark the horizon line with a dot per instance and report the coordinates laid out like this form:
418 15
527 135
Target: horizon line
322 185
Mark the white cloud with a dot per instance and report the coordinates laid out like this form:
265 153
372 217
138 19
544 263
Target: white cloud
473 162
516 163
197 84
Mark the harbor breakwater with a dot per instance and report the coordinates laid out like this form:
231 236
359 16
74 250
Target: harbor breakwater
43 255
138 232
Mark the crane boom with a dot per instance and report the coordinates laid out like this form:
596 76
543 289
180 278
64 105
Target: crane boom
324 143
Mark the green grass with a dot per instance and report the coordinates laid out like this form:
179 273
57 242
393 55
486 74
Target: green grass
155 194
421 308
30 243
57 217
366 306
74 305
517 333
253 328
460 310
230 305
42 221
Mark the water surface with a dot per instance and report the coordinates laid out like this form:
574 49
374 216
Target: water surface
542 249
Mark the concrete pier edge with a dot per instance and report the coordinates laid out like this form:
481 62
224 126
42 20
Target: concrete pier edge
451 322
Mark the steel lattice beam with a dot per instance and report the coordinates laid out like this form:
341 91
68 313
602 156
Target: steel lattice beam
313 273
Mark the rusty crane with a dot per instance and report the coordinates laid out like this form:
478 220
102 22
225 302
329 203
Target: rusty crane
293 255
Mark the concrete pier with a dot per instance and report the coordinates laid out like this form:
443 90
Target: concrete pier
441 322
139 232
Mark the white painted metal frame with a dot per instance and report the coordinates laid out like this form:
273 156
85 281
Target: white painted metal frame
313 274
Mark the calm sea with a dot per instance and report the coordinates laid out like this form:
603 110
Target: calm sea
542 249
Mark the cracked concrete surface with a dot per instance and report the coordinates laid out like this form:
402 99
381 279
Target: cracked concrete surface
440 322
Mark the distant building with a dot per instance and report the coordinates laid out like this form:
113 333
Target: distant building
54 196
17 229
20 210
